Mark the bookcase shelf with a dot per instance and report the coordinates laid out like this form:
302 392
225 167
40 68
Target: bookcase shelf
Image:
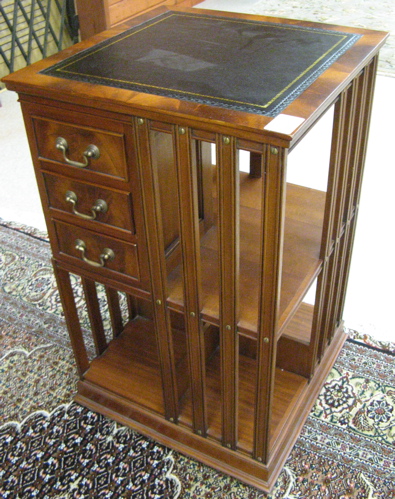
304 214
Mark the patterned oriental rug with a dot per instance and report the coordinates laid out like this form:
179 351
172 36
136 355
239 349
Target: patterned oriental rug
52 447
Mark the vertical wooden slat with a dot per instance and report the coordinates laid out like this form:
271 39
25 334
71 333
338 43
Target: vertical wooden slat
114 310
273 209
315 336
205 183
71 317
333 177
95 318
156 256
189 235
346 146
328 243
326 297
369 80
359 103
228 247
132 306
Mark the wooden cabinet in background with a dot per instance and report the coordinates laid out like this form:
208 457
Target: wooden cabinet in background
209 343
98 15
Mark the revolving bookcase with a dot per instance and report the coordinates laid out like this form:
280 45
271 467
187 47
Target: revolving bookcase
195 273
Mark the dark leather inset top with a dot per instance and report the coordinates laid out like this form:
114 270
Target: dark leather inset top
234 63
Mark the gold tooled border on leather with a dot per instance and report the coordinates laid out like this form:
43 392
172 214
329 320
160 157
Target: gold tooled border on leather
346 39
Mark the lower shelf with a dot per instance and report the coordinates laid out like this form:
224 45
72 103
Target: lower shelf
130 368
287 389
125 384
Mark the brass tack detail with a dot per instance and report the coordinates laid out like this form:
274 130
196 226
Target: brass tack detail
192 314
266 339
228 327
226 140
181 131
159 302
274 150
140 121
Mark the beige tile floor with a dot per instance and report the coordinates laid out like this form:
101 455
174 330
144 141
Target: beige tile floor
371 295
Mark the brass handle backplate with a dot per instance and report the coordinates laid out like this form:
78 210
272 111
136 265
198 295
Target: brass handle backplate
100 206
107 254
91 152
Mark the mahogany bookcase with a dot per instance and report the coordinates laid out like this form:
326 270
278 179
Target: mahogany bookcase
193 276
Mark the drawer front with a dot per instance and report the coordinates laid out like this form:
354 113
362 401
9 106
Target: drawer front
81 147
90 202
93 251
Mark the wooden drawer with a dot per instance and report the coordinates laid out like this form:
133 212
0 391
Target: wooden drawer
83 200
72 145
124 259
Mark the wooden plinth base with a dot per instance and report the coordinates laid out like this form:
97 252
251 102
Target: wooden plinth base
209 450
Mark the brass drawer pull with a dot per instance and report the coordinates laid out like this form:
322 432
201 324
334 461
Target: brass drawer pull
100 206
91 151
107 255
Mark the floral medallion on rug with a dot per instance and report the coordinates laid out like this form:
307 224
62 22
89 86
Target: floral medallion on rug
52 447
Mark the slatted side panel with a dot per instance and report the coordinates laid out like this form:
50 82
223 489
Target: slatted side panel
31 30
364 88
352 114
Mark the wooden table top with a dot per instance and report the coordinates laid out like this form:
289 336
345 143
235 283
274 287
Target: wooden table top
248 75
